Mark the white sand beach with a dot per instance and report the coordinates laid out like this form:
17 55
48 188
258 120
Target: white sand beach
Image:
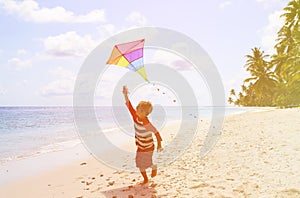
257 155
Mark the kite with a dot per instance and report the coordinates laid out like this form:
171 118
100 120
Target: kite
129 55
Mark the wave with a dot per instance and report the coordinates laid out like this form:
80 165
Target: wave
53 147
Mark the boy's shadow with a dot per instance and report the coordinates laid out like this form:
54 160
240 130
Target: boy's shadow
138 190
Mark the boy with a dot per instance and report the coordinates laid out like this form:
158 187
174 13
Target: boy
143 136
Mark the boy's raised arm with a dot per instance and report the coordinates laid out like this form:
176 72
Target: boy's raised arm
128 104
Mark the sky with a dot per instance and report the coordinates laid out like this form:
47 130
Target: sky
43 44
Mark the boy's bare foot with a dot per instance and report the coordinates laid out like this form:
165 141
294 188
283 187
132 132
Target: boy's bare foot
154 171
144 182
144 174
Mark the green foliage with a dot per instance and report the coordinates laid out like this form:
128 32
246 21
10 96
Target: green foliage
275 82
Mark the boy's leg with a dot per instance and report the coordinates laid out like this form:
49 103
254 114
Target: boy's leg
144 174
154 170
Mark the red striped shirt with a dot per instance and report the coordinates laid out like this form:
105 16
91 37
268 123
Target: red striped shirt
143 131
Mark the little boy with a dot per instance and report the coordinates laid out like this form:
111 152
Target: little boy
143 136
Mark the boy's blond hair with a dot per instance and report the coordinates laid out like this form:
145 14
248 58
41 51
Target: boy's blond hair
146 105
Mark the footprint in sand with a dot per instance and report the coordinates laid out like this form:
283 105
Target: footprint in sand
88 183
129 187
97 189
117 172
111 183
199 186
238 191
152 185
288 193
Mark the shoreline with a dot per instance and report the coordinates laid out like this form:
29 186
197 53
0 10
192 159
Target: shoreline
59 159
238 165
75 141
58 154
62 145
36 164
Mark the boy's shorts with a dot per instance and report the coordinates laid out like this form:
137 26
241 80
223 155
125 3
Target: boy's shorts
143 160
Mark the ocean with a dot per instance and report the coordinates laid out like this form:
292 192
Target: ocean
31 131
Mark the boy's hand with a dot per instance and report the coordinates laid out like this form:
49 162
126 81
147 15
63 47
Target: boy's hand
125 90
159 148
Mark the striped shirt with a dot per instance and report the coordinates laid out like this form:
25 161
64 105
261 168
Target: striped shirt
143 131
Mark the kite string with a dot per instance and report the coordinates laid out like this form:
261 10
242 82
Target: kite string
162 93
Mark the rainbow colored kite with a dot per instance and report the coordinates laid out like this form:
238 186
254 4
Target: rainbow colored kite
130 56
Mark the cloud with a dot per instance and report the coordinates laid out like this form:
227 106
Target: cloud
2 91
272 3
107 83
22 52
63 73
19 64
24 82
136 18
1 51
269 33
224 4
181 65
107 30
69 44
59 87
230 83
30 10
167 58
162 57
63 86
110 28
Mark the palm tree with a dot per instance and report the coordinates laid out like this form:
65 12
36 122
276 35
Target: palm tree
250 98
289 35
292 14
263 77
287 57
237 102
275 82
244 88
232 92
230 101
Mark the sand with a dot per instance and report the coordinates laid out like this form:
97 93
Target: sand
257 155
